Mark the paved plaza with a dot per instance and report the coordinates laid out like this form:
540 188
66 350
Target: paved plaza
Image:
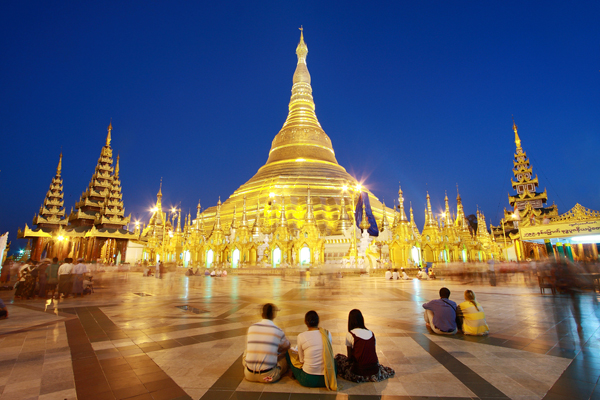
183 337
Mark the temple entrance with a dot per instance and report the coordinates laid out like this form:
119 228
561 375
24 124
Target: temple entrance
276 257
464 255
209 258
252 258
304 255
235 258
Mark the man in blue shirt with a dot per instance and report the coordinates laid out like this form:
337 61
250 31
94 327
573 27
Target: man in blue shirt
440 314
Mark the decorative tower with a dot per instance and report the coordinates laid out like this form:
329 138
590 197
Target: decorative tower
343 219
526 184
257 226
385 225
52 212
114 212
91 205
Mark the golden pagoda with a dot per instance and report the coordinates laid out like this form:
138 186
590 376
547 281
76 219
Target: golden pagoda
301 155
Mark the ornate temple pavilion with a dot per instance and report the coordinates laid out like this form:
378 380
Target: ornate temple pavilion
95 229
532 231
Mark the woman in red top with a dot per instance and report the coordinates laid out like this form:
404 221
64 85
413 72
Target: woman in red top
361 364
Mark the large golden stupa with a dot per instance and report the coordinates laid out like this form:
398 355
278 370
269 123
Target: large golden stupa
301 156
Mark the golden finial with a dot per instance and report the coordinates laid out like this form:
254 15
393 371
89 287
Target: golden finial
109 131
364 224
160 188
59 168
117 166
517 139
302 49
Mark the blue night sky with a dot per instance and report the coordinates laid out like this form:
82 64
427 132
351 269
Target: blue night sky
420 93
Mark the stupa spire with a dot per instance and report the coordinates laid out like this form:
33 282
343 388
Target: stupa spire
234 219
344 219
384 221
244 216
59 167
301 138
401 205
447 214
218 216
364 224
108 135
429 220
257 225
517 139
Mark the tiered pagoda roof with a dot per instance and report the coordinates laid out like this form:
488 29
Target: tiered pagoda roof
91 205
525 184
114 211
52 212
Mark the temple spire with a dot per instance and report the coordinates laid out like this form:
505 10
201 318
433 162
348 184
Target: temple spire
234 219
218 216
385 225
364 224
108 138
401 205
517 139
59 167
244 216
447 214
429 220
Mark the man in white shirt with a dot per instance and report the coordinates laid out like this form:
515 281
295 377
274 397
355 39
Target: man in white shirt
79 270
264 359
65 278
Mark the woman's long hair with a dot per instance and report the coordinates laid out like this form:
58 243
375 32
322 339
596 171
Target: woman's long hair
355 320
470 296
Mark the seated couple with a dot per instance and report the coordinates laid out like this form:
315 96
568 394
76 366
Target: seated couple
312 363
444 317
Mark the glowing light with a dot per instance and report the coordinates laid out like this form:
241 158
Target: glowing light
345 187
173 209
359 187
61 238
300 159
154 209
587 239
271 195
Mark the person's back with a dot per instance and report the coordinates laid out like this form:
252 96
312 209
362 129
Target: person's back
472 316
395 275
265 343
388 274
310 345
440 314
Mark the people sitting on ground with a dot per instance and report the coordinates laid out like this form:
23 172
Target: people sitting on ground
440 314
224 273
219 273
422 275
3 310
213 273
395 274
431 273
207 272
471 316
405 275
312 364
264 359
87 284
189 272
362 363
388 274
